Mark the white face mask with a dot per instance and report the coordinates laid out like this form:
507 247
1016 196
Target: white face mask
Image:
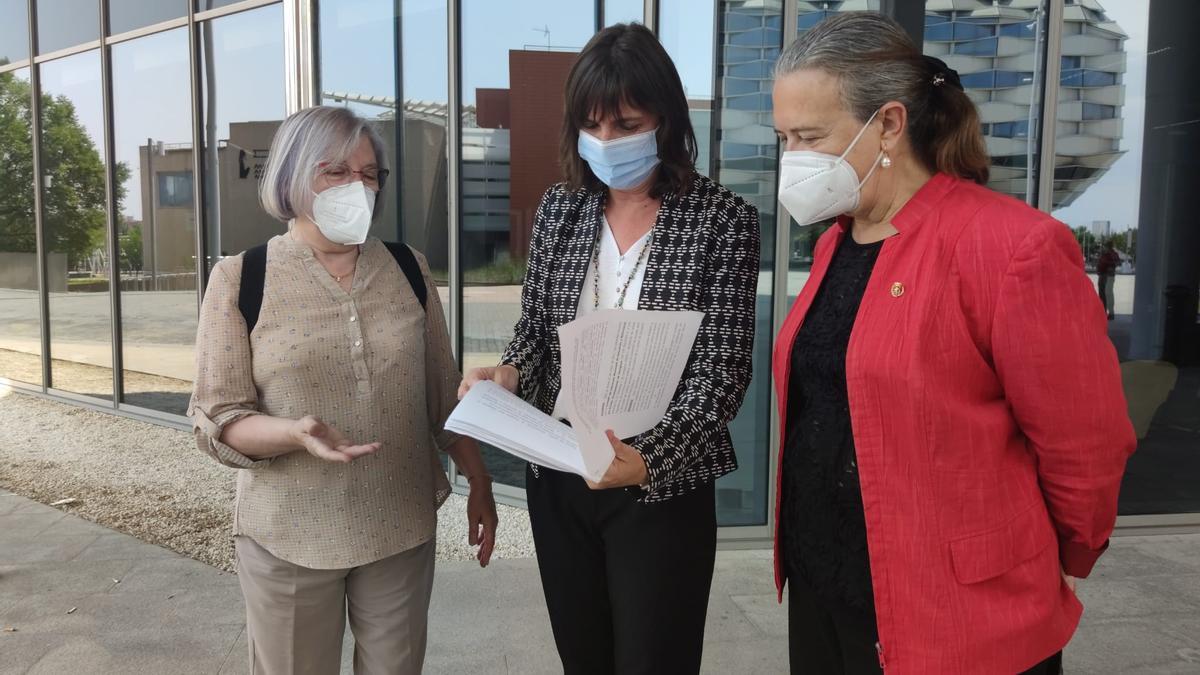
621 163
814 186
343 213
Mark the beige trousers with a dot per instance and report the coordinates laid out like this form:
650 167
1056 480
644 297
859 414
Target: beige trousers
296 616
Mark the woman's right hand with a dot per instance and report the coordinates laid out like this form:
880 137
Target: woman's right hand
324 442
505 376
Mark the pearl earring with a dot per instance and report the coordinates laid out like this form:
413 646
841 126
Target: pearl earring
886 162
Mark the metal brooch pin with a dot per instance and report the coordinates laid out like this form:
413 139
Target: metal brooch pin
897 289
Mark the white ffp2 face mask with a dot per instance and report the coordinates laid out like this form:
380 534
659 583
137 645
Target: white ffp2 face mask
814 186
343 213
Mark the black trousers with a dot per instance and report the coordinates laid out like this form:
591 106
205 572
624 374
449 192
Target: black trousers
826 639
626 583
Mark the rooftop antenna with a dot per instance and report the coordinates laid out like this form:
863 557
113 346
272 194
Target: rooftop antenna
544 30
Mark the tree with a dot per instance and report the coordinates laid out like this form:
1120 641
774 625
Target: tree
131 248
73 209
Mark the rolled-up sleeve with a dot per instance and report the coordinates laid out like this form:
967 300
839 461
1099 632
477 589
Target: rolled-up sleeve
442 375
224 389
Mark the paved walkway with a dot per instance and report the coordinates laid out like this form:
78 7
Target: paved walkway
85 599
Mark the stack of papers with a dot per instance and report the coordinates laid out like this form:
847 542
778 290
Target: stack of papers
620 370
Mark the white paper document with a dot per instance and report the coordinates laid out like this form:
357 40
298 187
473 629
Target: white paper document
620 370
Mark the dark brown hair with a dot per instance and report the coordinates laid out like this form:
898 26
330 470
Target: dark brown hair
626 64
875 62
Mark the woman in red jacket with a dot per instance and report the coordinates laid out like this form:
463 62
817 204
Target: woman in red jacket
954 426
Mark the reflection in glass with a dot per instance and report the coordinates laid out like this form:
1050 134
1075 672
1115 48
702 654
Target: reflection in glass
355 33
66 23
74 222
14 31
126 15
750 41
686 30
1125 173
512 92
242 76
156 219
999 59
20 323
623 11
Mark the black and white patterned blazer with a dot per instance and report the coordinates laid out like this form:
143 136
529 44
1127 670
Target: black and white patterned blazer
705 258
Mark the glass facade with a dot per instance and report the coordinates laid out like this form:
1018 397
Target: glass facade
131 165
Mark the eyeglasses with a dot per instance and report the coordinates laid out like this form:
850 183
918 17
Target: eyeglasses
340 174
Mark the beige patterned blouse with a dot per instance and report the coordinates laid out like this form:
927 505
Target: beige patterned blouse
369 362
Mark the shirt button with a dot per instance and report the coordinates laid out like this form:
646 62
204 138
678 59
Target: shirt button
358 343
353 318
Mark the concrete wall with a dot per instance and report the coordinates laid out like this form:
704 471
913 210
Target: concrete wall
19 271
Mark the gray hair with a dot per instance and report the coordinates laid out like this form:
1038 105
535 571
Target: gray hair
303 141
869 53
876 62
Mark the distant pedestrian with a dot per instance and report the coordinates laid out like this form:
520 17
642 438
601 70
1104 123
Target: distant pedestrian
1106 273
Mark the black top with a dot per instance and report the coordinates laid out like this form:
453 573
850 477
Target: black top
824 529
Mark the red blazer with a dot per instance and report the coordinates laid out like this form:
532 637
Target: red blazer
990 427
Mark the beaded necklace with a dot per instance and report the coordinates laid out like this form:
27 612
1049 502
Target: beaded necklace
624 287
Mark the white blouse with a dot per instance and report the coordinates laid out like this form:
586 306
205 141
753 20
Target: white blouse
614 268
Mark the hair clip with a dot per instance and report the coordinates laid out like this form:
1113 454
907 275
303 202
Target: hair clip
939 79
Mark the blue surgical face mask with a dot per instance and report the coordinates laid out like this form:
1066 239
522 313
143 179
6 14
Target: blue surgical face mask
621 163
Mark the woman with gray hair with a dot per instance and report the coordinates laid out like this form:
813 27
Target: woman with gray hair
324 373
954 429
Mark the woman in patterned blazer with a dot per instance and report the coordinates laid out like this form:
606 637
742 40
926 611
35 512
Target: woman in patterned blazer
627 563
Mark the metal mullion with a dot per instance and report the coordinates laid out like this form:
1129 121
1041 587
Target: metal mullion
453 187
201 224
35 122
650 15
299 79
779 288
110 216
231 9
599 16
1049 106
75 49
714 113
143 32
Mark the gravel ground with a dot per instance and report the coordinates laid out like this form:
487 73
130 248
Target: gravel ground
151 481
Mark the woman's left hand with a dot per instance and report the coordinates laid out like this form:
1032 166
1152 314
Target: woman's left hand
482 518
628 468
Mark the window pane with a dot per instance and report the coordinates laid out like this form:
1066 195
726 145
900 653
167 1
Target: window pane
242 78
74 220
66 23
126 15
1126 173
509 151
14 31
354 32
686 30
998 74
20 323
157 224
750 40
623 11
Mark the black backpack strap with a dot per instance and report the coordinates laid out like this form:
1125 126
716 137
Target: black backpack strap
408 264
250 292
